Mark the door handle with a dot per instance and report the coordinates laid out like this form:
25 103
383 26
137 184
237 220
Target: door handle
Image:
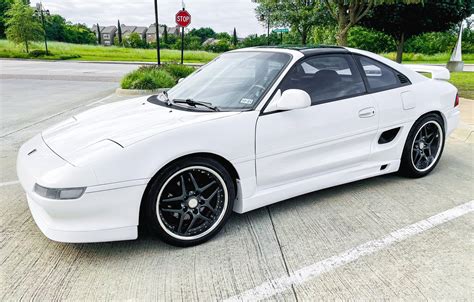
367 112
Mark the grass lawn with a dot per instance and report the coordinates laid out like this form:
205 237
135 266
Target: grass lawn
464 81
63 51
440 58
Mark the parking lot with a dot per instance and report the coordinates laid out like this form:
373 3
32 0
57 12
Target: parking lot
380 238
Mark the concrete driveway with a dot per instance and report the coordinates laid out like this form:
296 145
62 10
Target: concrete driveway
382 238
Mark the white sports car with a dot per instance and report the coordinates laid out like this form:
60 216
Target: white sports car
253 127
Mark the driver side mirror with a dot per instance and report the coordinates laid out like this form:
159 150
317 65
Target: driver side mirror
291 99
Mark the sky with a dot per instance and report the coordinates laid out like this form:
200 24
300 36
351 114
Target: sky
221 15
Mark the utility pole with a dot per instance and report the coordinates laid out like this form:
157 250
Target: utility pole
41 11
157 34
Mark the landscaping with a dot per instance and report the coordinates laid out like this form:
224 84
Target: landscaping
67 51
155 77
464 81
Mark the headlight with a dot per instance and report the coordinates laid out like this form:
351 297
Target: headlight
68 193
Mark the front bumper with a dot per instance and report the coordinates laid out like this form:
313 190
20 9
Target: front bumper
107 212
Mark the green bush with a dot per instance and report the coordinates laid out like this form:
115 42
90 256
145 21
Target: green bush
154 77
371 40
38 53
148 78
219 46
431 43
178 71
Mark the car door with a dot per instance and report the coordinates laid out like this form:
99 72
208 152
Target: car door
333 134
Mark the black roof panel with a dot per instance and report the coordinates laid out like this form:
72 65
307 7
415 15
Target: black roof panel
311 50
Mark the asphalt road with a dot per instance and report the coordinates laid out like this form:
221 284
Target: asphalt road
381 238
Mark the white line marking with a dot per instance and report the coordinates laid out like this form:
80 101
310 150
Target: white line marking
9 183
273 287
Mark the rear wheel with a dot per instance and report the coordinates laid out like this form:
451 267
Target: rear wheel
424 146
190 201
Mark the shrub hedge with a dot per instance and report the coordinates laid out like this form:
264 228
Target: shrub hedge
155 77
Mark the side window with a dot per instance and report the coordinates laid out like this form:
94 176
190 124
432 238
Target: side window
325 78
379 76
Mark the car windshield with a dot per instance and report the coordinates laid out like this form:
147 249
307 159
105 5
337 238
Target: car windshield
233 81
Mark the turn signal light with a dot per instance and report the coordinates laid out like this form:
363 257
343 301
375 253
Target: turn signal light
456 102
69 193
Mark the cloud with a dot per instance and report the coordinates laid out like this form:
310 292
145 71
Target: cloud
222 15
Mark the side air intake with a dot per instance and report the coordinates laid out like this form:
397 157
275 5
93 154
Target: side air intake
388 136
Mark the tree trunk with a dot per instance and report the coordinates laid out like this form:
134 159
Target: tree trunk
342 37
400 44
343 25
26 46
304 37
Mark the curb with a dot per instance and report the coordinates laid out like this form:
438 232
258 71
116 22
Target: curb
138 92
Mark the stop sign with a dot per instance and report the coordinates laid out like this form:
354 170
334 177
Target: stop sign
183 18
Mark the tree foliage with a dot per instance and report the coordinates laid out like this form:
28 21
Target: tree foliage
348 13
119 33
22 26
300 15
203 33
4 7
403 21
235 40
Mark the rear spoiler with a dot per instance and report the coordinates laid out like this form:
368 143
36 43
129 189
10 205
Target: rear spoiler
437 72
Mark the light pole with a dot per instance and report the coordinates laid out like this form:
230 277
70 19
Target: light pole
41 11
157 26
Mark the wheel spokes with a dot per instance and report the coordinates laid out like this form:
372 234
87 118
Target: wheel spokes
207 186
197 207
193 180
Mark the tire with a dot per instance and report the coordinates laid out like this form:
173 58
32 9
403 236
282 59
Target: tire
194 214
423 147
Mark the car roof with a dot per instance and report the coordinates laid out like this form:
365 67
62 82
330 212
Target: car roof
310 50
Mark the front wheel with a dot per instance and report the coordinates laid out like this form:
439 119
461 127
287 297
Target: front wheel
423 147
190 201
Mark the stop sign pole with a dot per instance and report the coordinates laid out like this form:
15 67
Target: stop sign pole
183 19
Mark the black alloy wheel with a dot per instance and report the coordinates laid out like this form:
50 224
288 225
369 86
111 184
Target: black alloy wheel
191 201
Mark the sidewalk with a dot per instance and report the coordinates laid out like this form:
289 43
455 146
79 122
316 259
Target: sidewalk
465 130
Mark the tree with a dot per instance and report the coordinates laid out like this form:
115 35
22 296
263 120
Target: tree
165 34
348 13
403 21
204 33
4 7
134 40
234 37
22 26
99 35
223 36
79 34
55 26
119 34
300 15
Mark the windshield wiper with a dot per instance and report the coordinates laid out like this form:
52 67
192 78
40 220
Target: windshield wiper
193 103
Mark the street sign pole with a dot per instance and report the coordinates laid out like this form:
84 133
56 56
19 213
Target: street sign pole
157 26
183 19
182 45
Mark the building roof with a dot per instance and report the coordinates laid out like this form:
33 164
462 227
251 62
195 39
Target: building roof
140 30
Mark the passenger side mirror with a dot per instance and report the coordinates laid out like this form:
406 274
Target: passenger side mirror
292 99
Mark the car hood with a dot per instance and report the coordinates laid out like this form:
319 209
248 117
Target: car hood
123 123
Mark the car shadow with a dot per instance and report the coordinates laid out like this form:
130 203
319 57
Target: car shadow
236 226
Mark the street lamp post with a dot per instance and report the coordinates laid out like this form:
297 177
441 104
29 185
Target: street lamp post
41 12
157 34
